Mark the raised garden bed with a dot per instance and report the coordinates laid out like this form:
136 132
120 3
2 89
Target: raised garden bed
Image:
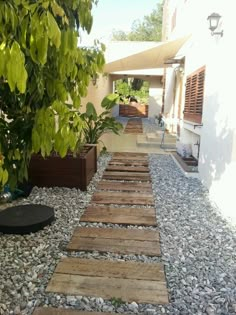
64 172
139 110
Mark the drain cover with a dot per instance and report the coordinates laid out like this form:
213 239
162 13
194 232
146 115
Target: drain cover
24 219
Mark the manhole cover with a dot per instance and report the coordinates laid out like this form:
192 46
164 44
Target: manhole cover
24 219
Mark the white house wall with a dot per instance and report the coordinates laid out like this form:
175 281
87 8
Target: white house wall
217 160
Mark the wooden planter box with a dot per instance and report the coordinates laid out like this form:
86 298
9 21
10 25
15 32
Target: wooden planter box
133 111
64 172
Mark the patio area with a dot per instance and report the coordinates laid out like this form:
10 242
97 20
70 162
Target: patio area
198 247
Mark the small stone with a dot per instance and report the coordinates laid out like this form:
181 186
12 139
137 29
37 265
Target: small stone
17 310
210 311
150 311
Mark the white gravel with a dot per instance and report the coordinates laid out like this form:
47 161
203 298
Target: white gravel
198 250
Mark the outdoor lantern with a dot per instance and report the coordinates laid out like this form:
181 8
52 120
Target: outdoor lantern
214 19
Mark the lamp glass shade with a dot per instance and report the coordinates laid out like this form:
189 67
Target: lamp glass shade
213 21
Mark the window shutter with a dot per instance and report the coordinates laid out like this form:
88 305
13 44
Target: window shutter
194 95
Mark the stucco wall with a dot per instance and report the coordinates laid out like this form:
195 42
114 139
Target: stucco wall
217 161
97 93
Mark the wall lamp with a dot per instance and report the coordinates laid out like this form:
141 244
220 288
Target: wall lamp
214 19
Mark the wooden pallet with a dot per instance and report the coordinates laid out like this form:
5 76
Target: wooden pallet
124 186
122 241
120 215
121 197
129 281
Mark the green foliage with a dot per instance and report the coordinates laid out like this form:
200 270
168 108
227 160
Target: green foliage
117 302
133 86
96 125
41 68
150 29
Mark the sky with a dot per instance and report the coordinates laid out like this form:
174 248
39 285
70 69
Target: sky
111 15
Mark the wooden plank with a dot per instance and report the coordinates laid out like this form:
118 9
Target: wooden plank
119 215
121 241
64 311
129 290
128 162
123 168
101 245
124 186
111 269
150 211
117 233
130 198
126 176
130 154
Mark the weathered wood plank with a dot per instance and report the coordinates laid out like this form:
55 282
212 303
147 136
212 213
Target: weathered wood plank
111 269
114 246
126 176
117 233
124 168
127 198
150 211
121 241
129 290
137 216
128 162
65 311
124 186
129 155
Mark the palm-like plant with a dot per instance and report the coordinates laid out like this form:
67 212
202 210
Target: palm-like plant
96 125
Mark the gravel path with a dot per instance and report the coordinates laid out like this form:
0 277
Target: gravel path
198 250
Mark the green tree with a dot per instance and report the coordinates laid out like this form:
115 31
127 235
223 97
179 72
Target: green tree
150 29
41 68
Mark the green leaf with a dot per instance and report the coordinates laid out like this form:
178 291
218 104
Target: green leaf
56 9
35 141
16 72
42 48
110 101
4 177
54 32
91 111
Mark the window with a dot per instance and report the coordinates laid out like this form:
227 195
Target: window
194 95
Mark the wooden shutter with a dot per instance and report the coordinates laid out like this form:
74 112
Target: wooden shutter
194 95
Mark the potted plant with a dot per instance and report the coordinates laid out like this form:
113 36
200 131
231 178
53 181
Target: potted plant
96 125
41 67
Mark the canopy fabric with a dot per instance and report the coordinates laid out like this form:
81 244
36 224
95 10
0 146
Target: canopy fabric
151 58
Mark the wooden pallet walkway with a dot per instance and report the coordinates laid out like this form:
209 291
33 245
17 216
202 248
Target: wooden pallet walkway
129 281
123 196
134 126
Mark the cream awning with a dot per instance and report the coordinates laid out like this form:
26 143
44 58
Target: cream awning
151 58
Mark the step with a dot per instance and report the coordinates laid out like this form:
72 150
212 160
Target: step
115 240
142 140
124 280
120 215
123 198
